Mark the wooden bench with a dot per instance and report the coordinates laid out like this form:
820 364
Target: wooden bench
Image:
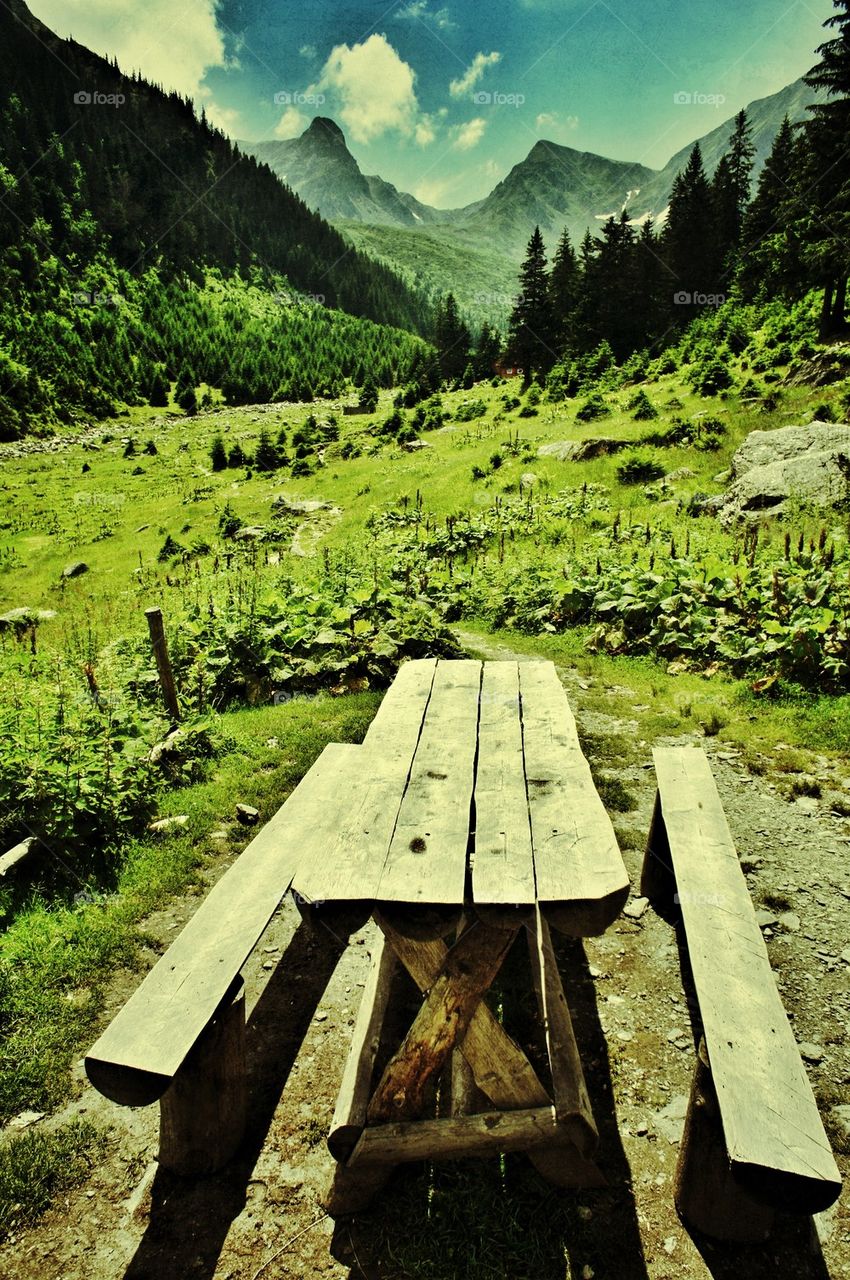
180 1038
753 1141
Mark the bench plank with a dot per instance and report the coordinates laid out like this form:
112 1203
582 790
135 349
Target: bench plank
352 867
503 870
136 1058
773 1131
582 883
426 862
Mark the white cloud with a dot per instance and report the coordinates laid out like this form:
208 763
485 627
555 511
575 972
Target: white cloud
307 51
292 123
467 82
424 132
172 42
467 136
373 89
419 11
548 119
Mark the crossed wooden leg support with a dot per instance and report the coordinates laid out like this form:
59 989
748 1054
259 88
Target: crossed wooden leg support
375 1129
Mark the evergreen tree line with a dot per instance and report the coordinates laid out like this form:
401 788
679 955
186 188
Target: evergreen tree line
637 287
138 202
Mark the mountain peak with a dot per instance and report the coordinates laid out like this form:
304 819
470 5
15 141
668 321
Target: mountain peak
322 128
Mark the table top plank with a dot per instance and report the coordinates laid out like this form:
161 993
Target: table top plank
426 862
503 867
352 868
576 856
770 1117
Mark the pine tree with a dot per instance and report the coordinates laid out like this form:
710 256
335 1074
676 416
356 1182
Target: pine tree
771 262
530 340
218 454
487 352
563 292
825 222
452 340
368 395
266 456
689 240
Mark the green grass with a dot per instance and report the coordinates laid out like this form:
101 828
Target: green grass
36 1167
56 959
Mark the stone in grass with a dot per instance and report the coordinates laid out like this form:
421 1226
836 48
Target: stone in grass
636 908
812 1052
845 955
247 815
75 570
766 919
163 825
841 1115
790 922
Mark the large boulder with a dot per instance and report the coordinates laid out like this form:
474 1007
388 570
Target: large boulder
793 464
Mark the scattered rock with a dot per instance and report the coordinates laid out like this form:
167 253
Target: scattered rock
162 825
766 919
75 570
247 815
26 1119
812 1052
845 955
636 908
841 1116
282 506
789 921
528 479
811 463
670 1120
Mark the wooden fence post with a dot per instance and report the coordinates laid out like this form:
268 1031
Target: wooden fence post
163 662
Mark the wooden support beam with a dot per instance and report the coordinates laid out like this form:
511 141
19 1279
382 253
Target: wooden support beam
355 1091
658 878
502 1071
706 1193
203 1112
482 1134
572 1101
468 972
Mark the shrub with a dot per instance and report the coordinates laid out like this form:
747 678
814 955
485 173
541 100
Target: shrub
593 407
470 410
218 454
641 407
639 469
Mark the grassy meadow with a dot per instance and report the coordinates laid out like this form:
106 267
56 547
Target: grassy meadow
286 621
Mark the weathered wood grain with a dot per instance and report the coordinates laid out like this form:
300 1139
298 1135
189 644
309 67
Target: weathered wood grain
581 880
426 861
774 1134
468 971
144 1046
203 1112
503 869
501 1070
452 1138
351 867
572 1101
355 1090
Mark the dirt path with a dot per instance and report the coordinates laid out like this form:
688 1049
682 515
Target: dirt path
261 1217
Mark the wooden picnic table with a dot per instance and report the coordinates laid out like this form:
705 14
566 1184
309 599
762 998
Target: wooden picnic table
471 815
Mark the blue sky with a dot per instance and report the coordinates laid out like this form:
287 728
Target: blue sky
442 97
